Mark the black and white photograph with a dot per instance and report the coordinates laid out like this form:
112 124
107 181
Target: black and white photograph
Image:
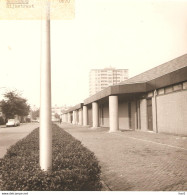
93 96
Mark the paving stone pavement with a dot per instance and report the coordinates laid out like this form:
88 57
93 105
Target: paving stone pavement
136 161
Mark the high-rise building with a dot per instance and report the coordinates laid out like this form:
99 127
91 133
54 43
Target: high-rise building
102 78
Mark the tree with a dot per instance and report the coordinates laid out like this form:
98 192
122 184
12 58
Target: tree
14 104
35 114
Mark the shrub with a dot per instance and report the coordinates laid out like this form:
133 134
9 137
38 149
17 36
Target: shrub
74 166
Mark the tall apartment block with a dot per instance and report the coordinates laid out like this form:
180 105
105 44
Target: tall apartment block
102 78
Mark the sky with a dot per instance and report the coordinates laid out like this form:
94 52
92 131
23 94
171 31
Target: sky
131 34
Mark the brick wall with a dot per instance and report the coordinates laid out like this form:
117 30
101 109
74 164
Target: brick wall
172 113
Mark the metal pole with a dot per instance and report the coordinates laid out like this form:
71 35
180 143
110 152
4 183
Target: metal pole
45 94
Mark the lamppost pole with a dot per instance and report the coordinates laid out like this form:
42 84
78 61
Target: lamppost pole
45 93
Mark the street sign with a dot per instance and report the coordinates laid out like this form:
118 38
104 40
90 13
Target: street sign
32 9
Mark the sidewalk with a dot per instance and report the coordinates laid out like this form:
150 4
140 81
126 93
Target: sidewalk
136 161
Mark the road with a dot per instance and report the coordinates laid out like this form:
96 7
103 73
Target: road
10 135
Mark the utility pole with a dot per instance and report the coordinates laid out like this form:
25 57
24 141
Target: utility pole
45 92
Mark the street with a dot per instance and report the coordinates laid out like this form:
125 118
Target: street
10 135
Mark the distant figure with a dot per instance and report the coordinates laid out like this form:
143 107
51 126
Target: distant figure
60 120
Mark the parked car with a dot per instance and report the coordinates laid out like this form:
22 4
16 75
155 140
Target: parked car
12 122
35 121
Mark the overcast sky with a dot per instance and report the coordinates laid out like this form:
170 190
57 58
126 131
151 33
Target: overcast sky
135 35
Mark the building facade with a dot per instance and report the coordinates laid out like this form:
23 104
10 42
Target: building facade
56 112
102 78
155 100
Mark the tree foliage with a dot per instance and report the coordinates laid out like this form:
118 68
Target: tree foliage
14 104
35 114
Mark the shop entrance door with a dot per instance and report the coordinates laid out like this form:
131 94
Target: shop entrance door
149 115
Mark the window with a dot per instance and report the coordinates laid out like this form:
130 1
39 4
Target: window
138 117
129 115
149 114
177 87
169 89
185 85
161 91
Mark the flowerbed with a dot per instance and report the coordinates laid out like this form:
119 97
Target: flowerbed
75 168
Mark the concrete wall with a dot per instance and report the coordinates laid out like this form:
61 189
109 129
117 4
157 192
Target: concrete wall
123 115
143 114
104 122
172 112
90 120
80 118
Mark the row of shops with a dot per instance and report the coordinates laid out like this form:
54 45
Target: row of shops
155 100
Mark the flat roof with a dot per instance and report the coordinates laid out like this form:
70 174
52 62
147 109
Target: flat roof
76 107
159 71
169 73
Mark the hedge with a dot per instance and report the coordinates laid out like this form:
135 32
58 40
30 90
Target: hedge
75 168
